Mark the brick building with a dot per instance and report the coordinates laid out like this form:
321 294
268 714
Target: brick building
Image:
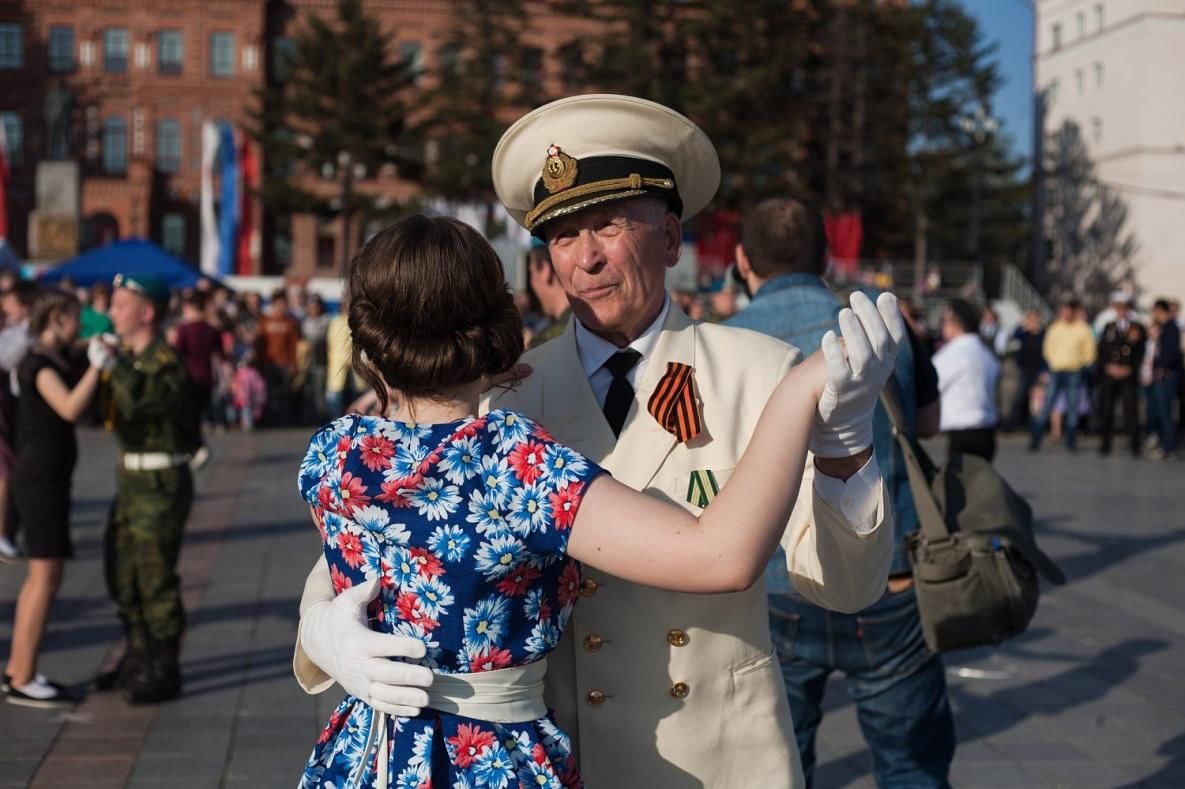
136 79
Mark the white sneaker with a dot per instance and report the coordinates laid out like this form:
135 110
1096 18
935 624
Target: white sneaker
8 551
41 693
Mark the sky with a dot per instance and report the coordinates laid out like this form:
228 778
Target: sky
1009 24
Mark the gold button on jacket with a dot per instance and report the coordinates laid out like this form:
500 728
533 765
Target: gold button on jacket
593 642
677 638
680 690
595 698
588 587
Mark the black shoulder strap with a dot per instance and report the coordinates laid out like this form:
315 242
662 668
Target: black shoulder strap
933 525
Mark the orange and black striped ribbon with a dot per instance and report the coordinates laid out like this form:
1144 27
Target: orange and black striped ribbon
675 404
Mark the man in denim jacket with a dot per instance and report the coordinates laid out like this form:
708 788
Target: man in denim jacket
898 684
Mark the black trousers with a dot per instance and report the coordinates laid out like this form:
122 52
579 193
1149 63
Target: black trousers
976 441
1126 390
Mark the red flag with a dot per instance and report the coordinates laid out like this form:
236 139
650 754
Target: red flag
3 183
845 232
249 180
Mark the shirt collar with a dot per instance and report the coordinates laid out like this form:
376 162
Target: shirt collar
795 279
595 350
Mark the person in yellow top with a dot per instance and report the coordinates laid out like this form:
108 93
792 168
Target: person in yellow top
1069 349
338 348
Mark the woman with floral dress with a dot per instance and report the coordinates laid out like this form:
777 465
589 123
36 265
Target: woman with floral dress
473 527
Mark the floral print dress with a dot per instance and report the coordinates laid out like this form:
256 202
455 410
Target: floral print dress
466 525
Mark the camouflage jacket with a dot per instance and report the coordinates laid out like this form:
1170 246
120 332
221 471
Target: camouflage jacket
153 403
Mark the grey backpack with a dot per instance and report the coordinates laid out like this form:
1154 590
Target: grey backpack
975 560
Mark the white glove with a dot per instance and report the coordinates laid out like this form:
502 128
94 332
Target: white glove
843 422
334 635
99 354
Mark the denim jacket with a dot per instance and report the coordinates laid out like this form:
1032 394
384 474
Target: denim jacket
799 308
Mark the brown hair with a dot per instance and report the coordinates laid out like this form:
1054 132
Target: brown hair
784 235
47 304
429 309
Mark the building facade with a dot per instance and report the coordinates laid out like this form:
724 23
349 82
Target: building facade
1113 67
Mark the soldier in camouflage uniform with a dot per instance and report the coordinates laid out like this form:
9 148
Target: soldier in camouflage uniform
154 409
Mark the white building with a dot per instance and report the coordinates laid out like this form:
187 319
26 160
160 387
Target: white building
1117 68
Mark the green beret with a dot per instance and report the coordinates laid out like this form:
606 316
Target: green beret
145 285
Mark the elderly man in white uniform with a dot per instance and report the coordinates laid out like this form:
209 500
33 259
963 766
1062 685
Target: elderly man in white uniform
658 689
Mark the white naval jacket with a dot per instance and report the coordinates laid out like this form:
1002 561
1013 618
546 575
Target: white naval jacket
665 689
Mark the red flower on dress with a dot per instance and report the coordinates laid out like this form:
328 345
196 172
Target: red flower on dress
527 461
351 547
519 581
396 491
469 743
564 504
429 562
410 609
325 498
376 452
542 434
469 430
569 584
340 580
353 493
319 519
538 754
343 449
489 659
331 728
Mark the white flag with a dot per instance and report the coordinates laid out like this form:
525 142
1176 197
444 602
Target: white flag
210 244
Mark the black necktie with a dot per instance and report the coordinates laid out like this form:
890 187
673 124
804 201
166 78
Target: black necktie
621 394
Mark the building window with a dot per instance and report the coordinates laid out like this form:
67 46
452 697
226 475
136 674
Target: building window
168 52
1051 92
12 47
61 48
168 146
115 146
532 71
1057 37
1078 80
1081 20
571 65
172 234
14 137
1098 16
115 50
222 54
1098 75
1096 129
411 55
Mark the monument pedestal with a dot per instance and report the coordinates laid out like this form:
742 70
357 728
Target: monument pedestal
53 225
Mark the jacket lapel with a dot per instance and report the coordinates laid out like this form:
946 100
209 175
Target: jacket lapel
570 410
643 444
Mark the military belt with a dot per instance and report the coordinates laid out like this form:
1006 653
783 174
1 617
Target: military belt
153 461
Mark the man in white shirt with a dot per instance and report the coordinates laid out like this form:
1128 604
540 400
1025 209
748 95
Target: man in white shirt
968 372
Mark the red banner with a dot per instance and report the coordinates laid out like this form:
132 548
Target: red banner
845 233
249 180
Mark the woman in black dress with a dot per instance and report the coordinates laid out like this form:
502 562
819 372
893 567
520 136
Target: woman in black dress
46 451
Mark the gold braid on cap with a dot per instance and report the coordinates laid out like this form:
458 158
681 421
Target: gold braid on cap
632 182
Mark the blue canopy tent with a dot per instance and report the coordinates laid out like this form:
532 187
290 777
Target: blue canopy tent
132 256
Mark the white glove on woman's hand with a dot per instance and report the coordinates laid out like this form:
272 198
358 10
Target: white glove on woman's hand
99 354
334 635
843 422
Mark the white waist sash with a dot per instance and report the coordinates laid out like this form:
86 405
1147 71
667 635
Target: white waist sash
508 695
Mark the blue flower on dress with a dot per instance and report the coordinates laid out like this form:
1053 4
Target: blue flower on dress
412 778
376 523
487 514
421 750
544 636
451 542
403 568
530 510
538 775
333 524
562 466
372 559
318 459
408 458
494 767
434 595
498 557
430 644
435 500
461 460
405 432
496 477
509 428
485 623
557 743
534 604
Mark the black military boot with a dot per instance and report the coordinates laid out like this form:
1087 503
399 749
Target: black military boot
132 664
162 679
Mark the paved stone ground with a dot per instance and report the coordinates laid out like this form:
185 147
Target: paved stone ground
1092 696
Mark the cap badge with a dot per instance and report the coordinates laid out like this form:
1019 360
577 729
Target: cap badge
559 171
